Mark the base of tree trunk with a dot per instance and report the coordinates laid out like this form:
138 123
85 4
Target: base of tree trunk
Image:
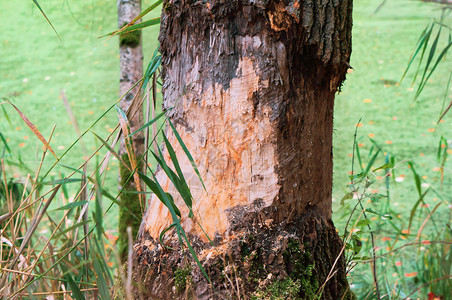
257 260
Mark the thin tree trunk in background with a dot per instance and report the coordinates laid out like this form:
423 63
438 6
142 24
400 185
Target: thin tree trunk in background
258 81
131 71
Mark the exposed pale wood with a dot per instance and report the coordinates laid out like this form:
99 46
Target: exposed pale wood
234 149
253 100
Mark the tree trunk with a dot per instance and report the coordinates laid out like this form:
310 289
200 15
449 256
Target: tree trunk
252 84
131 71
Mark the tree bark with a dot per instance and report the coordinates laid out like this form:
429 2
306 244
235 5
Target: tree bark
252 86
131 71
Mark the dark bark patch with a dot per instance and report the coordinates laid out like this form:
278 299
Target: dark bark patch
257 260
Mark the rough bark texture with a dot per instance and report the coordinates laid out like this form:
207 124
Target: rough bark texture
131 71
252 84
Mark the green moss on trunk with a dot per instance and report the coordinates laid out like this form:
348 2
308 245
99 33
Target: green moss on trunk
130 39
182 278
131 216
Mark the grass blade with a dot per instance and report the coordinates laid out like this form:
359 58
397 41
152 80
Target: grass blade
71 205
423 40
417 178
427 64
33 128
7 117
444 101
440 57
147 124
147 10
424 49
61 181
142 25
370 164
142 14
130 152
190 158
98 217
112 151
162 234
155 189
358 156
5 143
184 190
34 224
114 200
139 26
76 293
101 282
152 67
48 21
413 210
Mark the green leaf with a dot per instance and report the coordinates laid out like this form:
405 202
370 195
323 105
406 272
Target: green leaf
358 153
424 49
158 192
444 111
180 231
362 258
421 43
6 115
152 67
114 200
5 143
70 229
73 169
375 197
362 223
148 124
385 166
148 10
162 234
173 178
142 25
134 27
98 215
415 206
369 183
417 178
346 197
371 162
429 60
61 181
112 151
184 190
440 57
190 158
71 205
76 293
357 244
142 14
101 282
371 211
48 21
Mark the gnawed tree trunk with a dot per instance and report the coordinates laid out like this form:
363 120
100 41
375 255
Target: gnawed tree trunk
252 84
131 71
